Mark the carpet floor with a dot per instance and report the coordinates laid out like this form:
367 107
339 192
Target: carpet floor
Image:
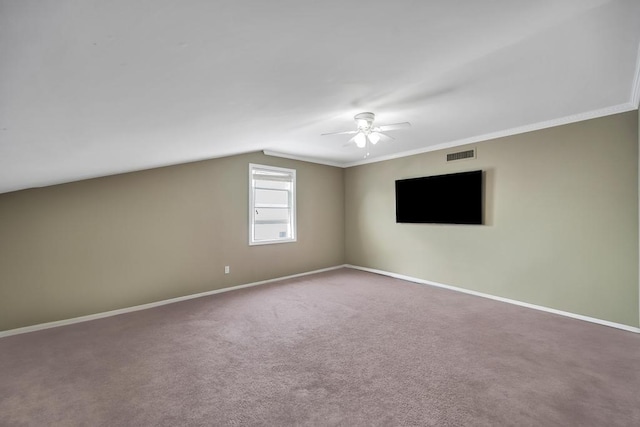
343 348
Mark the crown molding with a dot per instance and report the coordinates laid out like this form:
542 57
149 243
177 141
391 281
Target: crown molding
616 109
635 90
302 158
594 114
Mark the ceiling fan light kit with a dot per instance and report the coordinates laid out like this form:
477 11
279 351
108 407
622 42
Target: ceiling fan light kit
367 133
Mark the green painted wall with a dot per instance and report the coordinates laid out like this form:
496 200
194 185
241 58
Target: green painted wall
561 220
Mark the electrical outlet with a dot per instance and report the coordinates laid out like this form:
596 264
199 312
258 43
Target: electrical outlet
226 269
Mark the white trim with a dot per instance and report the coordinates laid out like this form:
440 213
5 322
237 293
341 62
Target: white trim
48 325
302 158
292 199
104 314
501 299
616 109
635 89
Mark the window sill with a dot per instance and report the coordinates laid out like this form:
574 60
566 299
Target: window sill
271 242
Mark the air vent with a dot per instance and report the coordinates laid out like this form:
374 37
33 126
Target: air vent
461 155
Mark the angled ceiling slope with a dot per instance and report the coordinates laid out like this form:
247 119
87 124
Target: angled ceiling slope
96 88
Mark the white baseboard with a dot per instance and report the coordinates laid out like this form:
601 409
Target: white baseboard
496 298
104 314
89 317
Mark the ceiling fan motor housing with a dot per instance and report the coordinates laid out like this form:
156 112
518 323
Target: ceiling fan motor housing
364 120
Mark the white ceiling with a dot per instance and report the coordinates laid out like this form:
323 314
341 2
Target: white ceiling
92 87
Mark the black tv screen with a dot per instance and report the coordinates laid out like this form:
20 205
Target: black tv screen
442 199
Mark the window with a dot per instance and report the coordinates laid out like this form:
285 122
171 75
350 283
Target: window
272 205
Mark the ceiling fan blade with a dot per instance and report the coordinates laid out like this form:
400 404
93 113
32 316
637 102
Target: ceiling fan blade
386 138
344 132
351 141
393 126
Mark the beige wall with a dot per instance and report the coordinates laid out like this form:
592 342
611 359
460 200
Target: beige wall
561 220
102 244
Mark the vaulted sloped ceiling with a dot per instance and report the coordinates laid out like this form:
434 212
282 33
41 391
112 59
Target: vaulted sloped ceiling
91 88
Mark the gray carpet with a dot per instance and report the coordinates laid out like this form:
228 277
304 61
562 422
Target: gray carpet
340 348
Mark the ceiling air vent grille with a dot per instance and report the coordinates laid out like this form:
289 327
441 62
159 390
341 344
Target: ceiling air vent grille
461 155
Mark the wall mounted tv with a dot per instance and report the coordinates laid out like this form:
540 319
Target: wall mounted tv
442 199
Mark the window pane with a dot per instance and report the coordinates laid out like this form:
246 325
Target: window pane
271 214
271 231
278 185
271 197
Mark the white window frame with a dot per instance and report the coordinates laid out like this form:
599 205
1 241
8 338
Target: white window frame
252 208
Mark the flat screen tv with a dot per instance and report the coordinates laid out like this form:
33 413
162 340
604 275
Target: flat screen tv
442 199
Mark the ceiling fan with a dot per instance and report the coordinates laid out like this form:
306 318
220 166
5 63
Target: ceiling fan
367 133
